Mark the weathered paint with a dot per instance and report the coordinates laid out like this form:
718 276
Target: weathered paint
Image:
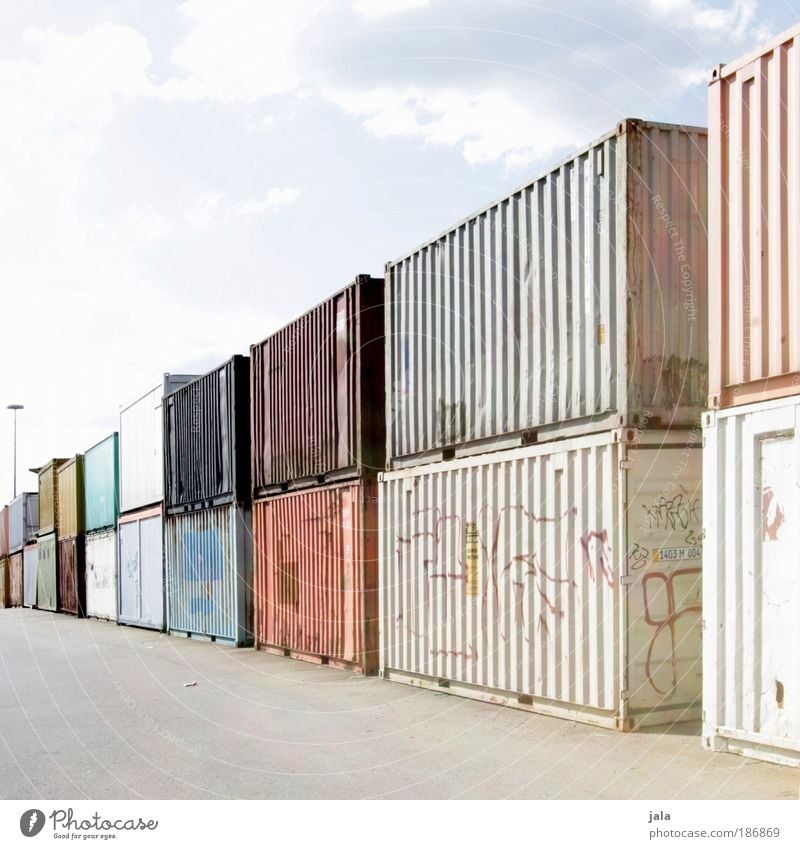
101 484
47 573
72 575
30 565
586 556
317 389
23 520
210 574
4 531
754 218
101 574
4 596
15 580
751 582
576 304
316 574
140 578
48 495
70 508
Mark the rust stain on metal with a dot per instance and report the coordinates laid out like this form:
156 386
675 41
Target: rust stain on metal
773 514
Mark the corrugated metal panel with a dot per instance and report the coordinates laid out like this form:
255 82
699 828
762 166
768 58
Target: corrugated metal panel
71 498
578 301
317 392
30 565
15 586
554 577
316 574
47 573
23 520
210 574
141 569
101 484
72 575
754 218
141 439
751 581
4 595
101 575
4 531
48 496
207 439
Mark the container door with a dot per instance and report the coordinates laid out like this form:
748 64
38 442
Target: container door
662 584
777 601
31 562
129 573
152 572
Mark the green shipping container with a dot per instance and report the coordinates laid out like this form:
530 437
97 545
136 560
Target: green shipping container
101 484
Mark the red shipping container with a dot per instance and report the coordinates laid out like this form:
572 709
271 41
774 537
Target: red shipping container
72 576
316 575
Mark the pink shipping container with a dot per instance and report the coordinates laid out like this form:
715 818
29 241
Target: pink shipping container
4 532
15 579
316 575
754 218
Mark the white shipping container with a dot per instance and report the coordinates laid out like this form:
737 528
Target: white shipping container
575 304
30 568
101 575
141 446
564 578
140 579
751 691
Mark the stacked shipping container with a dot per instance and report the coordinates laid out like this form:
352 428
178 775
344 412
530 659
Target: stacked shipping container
101 490
47 578
4 590
70 528
317 445
563 576
23 523
752 432
208 528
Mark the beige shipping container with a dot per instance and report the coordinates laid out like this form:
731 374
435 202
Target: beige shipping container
48 495
754 221
71 507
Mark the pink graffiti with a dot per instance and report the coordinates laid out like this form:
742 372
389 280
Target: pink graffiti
771 527
598 555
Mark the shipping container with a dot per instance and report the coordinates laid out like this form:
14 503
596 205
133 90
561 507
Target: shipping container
316 574
15 580
30 564
72 575
751 694
141 455
141 569
101 484
101 575
48 495
70 520
207 439
576 304
23 520
4 531
210 574
563 578
47 572
5 599
317 390
754 218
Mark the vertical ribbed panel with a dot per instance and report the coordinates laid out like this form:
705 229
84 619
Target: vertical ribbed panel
72 575
47 573
70 505
209 573
754 138
23 520
101 484
48 496
101 575
751 589
316 573
15 580
4 596
140 576
4 531
30 564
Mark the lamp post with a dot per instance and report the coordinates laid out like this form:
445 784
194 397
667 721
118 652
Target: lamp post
15 407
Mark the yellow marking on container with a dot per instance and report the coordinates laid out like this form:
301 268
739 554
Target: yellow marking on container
472 558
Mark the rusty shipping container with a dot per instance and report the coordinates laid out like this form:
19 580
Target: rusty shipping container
576 304
70 512
140 575
754 219
101 574
30 565
47 572
23 520
210 574
562 578
5 599
207 439
15 580
48 495
72 575
317 390
751 584
316 574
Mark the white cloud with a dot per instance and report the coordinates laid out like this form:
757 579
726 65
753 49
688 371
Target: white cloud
273 201
487 126
202 212
381 8
737 21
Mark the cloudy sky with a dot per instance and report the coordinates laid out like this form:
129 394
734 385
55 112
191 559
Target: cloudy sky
180 179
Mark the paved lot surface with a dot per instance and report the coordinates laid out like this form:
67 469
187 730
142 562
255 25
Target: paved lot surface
89 709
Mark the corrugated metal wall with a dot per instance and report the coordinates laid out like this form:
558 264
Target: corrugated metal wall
207 438
754 282
15 580
518 319
72 575
30 565
23 520
101 575
751 581
210 574
317 391
48 496
141 569
4 596
70 508
316 574
47 573
101 484
4 531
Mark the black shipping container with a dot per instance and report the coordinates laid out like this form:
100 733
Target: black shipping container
207 439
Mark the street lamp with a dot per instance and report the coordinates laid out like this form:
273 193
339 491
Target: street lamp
15 407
